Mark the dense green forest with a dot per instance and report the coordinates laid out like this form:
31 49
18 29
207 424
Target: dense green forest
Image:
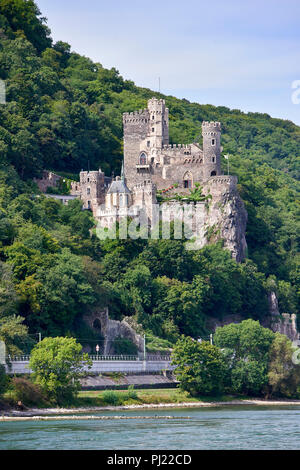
64 112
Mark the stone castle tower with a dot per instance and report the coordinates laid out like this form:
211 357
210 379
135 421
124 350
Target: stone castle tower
143 130
211 132
148 154
91 189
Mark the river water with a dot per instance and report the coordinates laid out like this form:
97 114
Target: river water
209 428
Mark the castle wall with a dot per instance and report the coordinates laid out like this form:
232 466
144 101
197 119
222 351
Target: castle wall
92 189
48 180
136 127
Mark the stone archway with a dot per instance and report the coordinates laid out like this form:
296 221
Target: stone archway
97 325
187 180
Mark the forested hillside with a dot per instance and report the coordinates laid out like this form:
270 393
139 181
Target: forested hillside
64 112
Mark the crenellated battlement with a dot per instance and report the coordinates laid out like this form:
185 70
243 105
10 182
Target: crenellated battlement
145 184
212 126
222 183
136 116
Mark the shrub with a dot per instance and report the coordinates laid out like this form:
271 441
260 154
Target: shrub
130 394
27 392
111 398
3 379
124 346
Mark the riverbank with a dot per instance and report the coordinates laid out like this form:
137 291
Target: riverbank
35 413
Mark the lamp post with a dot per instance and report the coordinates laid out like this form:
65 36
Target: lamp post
97 350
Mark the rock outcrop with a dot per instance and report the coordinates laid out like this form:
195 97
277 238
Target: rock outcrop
227 220
112 329
222 217
282 323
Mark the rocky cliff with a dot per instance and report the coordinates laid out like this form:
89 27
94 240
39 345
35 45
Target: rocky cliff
283 323
222 217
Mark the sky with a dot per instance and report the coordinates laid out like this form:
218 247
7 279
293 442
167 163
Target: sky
240 54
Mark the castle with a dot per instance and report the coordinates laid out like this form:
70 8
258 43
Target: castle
151 164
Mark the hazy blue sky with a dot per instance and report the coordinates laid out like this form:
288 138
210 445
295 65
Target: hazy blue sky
240 54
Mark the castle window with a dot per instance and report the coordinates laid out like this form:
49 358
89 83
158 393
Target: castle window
213 159
88 180
148 143
213 141
152 129
88 191
143 159
89 204
152 117
213 173
187 180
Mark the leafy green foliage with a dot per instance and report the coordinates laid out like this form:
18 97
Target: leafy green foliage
3 380
247 346
200 367
247 359
283 374
124 346
64 110
14 334
26 392
57 364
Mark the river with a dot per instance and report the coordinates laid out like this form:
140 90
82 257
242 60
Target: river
242 427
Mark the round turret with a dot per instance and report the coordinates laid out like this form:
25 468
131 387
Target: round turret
211 132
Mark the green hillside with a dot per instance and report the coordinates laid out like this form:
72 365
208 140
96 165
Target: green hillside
64 112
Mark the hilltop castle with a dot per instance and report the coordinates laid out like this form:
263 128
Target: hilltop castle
151 164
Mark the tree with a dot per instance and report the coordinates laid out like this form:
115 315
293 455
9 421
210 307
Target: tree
247 346
25 16
200 367
249 377
14 334
57 364
8 297
283 375
248 340
61 293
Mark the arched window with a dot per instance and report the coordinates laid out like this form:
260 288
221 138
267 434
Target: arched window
143 159
213 173
188 180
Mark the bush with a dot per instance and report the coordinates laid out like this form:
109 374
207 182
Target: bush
131 394
111 398
3 379
125 346
27 392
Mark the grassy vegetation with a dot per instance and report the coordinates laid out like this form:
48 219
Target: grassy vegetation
139 397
